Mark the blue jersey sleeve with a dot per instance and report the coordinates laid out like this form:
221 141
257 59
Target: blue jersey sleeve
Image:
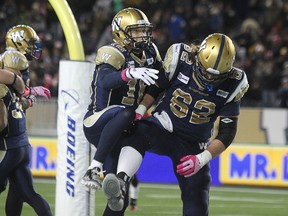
231 109
109 77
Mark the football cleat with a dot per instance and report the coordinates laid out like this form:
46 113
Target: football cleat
93 178
114 189
133 204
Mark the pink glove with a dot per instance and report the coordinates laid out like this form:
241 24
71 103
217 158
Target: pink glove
190 165
40 91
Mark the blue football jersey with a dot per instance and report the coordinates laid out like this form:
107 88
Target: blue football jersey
107 87
192 109
14 135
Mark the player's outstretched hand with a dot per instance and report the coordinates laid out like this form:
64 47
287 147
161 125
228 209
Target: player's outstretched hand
147 75
40 91
190 165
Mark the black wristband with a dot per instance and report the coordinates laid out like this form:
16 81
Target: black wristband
227 130
14 81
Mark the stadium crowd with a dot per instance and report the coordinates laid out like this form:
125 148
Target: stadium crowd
259 29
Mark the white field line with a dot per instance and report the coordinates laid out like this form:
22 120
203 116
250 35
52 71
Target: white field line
239 214
260 190
226 199
236 189
168 213
247 199
244 206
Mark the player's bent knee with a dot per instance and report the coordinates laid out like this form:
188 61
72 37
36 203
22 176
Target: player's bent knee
128 114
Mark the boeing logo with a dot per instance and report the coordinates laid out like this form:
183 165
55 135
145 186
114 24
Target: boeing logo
70 156
71 101
70 98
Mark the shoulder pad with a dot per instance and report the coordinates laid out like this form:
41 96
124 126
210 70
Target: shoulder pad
15 60
3 90
158 56
110 55
242 87
175 53
171 60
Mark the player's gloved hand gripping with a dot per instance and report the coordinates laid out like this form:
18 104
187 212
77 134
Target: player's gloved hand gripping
38 91
147 75
191 164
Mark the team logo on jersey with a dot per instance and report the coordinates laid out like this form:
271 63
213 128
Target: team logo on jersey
15 59
203 145
183 78
227 120
106 57
222 93
150 61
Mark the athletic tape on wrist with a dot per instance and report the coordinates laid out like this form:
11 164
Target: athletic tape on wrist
141 109
204 157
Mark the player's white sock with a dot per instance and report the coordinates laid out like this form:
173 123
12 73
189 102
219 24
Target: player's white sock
95 163
134 191
129 161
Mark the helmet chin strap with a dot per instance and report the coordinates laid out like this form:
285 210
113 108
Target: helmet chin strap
141 45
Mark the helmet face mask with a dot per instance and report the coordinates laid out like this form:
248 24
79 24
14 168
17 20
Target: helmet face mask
210 76
132 29
36 49
24 39
140 36
214 60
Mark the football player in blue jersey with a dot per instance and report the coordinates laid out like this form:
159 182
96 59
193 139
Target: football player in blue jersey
202 87
24 39
125 71
14 144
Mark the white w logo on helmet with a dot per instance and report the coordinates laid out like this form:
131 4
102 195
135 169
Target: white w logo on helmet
116 24
17 36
